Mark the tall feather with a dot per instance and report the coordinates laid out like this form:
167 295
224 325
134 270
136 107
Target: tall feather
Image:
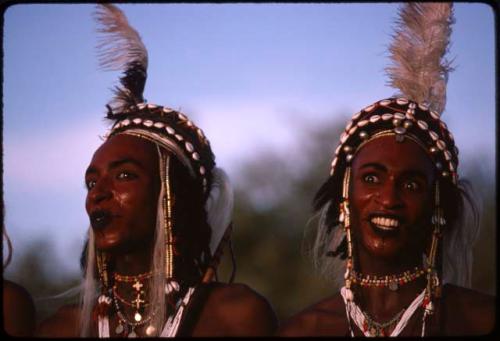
419 68
120 48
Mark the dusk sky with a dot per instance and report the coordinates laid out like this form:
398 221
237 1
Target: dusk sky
247 74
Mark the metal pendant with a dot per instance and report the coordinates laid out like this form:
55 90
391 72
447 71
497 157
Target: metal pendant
150 330
393 286
119 329
132 334
137 317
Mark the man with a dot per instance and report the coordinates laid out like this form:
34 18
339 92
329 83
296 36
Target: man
159 209
394 214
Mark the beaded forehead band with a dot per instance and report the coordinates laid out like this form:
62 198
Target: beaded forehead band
403 119
173 131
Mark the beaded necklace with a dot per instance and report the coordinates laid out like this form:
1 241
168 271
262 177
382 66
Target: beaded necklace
393 282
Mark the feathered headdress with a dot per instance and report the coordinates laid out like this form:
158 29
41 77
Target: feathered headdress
120 48
419 69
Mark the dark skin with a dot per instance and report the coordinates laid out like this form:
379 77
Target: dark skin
123 179
391 200
18 310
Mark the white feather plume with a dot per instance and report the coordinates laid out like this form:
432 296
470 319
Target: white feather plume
120 43
120 48
419 68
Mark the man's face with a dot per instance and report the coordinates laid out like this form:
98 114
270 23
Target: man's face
391 198
123 187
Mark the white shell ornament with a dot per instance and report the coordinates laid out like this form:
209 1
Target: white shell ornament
159 125
374 118
141 106
151 106
178 137
337 150
399 116
167 110
343 137
441 144
386 116
402 101
369 108
196 156
170 130
399 130
385 102
148 123
189 147
125 122
137 120
434 136
434 115
447 155
356 115
363 123
423 107
202 170
423 125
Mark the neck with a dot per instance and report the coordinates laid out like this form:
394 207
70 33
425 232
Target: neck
382 303
132 263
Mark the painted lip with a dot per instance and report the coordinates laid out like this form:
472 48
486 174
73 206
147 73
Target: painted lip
385 223
99 219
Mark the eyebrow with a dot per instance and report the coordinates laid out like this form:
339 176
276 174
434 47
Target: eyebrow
115 164
378 166
374 165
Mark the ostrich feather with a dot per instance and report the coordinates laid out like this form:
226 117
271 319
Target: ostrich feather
120 48
421 40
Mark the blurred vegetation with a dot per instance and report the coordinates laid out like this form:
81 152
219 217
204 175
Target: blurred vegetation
273 195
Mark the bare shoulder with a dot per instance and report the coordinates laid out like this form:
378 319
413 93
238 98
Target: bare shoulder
18 310
468 312
324 318
64 323
235 310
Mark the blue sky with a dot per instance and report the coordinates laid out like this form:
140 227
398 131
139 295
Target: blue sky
246 73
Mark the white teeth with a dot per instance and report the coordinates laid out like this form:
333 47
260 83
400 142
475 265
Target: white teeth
385 223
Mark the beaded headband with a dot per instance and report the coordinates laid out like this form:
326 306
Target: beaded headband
173 131
404 119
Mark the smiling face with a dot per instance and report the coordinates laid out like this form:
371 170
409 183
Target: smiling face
391 198
123 187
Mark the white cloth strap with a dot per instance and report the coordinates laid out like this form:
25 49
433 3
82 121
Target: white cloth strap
358 317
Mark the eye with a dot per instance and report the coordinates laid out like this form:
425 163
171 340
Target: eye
411 186
371 179
90 184
125 175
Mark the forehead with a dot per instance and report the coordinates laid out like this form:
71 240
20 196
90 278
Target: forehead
123 147
405 156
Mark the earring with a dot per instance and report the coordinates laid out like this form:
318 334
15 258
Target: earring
345 220
104 300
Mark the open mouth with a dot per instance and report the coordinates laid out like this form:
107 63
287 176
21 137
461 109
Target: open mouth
385 224
100 219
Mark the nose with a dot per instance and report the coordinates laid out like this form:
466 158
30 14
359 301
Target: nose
389 196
